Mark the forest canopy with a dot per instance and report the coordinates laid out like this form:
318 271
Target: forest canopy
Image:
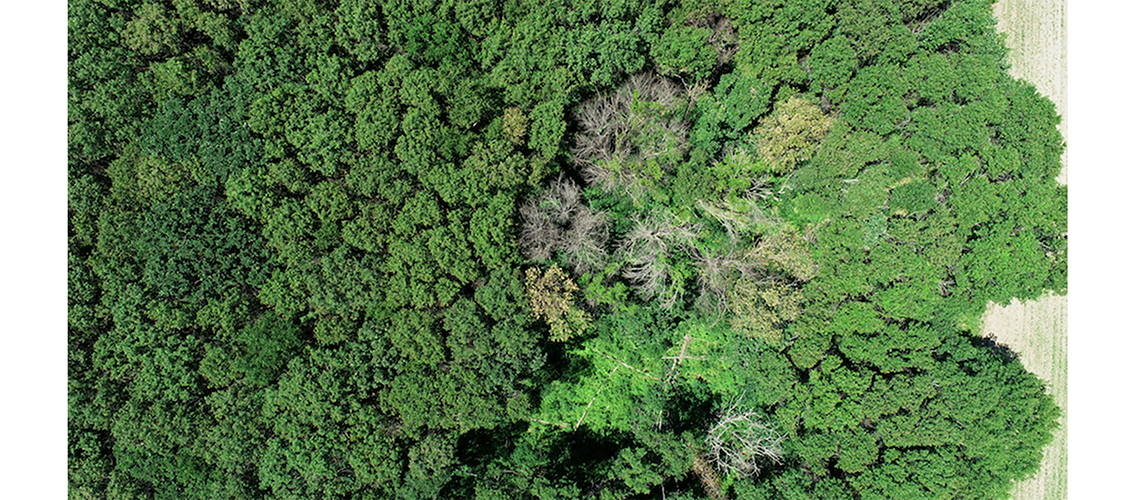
567 249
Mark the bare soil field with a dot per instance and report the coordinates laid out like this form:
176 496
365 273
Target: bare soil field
1037 330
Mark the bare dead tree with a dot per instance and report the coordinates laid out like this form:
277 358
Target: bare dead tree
918 23
657 233
653 279
716 273
585 242
598 113
651 88
556 221
593 149
733 222
539 236
647 250
604 120
742 441
561 199
544 219
809 236
612 176
694 91
617 137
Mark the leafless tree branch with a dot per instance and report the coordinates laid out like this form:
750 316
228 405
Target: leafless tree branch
556 221
741 441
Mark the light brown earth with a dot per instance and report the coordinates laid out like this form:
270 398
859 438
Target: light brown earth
1037 330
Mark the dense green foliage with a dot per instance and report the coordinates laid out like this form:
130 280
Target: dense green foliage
507 249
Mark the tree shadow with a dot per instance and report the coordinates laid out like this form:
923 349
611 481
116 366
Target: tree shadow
1003 351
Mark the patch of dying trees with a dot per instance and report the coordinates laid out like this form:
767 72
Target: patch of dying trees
629 141
632 137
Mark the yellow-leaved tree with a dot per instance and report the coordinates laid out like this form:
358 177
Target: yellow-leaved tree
791 134
551 296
